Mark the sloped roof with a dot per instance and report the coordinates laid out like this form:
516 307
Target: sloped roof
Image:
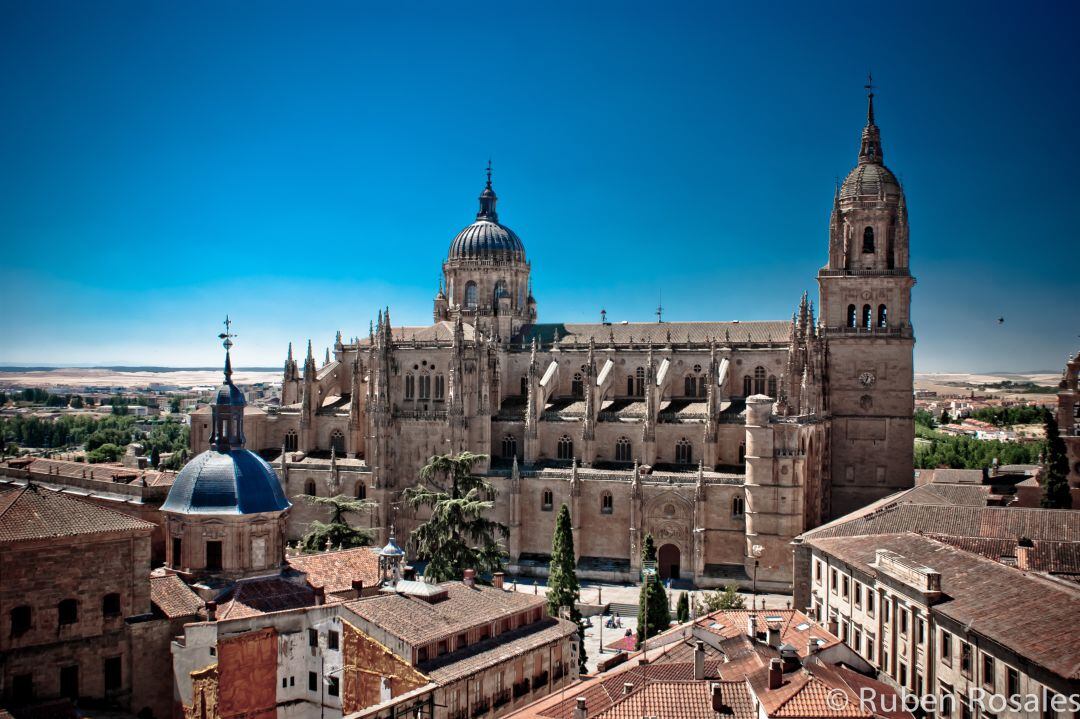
30 512
659 333
173 598
335 571
251 597
1029 613
496 650
796 628
680 700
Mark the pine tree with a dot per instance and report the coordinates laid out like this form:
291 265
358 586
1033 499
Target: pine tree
563 587
682 608
654 615
338 532
1056 494
155 457
457 536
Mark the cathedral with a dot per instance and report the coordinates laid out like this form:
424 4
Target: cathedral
724 440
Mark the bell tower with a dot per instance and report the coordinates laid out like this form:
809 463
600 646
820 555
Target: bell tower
865 300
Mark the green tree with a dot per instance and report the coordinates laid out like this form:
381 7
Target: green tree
337 532
728 598
654 614
682 608
77 402
174 405
105 453
563 587
944 419
1056 493
457 536
155 457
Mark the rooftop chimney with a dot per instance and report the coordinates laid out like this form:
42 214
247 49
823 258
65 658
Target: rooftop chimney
211 611
320 596
358 587
751 625
497 580
579 711
718 705
627 687
470 578
699 660
776 674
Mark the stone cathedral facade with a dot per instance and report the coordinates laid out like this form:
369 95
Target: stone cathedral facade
724 440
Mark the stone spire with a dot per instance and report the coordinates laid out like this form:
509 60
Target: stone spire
870 150
488 199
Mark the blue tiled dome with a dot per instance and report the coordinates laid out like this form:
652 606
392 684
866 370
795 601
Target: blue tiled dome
487 240
232 482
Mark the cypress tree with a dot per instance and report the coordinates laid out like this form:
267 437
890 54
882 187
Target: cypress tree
563 587
682 609
654 615
1056 493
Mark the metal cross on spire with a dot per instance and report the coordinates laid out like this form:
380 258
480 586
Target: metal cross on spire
227 335
489 173
870 86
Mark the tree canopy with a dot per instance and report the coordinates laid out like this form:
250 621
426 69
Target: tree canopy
1056 494
654 614
337 532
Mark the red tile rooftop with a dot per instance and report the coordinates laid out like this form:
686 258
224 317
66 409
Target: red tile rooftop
31 512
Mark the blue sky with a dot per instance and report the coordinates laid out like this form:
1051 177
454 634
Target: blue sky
298 165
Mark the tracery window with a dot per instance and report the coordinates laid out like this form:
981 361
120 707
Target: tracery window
738 507
684 453
759 380
772 386
607 503
565 448
509 446
410 385
290 441
440 386
471 296
547 501
690 383
337 441
623 450
361 490
425 386
577 385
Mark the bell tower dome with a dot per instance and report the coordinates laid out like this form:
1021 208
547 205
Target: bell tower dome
865 301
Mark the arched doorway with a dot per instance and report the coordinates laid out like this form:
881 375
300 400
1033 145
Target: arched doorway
667 560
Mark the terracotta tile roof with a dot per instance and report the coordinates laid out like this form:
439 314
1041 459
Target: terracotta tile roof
173 598
251 597
679 700
1043 556
477 657
896 514
1032 615
969 495
796 628
810 691
30 512
335 571
54 470
417 622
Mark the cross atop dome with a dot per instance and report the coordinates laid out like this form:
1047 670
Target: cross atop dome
488 199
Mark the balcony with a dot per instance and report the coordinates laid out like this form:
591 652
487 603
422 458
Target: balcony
501 698
480 708
540 680
521 688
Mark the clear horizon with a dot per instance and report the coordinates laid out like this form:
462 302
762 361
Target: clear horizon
300 169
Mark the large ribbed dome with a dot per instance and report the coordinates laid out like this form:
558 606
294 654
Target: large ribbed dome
487 240
870 182
232 482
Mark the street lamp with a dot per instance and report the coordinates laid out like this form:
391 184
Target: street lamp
755 552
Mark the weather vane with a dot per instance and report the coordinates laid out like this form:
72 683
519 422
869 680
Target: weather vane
227 335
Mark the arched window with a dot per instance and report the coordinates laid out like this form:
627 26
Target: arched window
110 605
607 503
309 488
440 386
702 389
746 385
866 316
623 450
882 316
868 240
68 611
690 386
471 296
851 315
509 446
337 441
425 386
290 441
738 507
759 380
635 384
21 620
547 501
566 448
410 385
772 386
361 490
524 386
684 452
500 291
577 386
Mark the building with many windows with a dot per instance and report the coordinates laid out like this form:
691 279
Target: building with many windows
724 440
